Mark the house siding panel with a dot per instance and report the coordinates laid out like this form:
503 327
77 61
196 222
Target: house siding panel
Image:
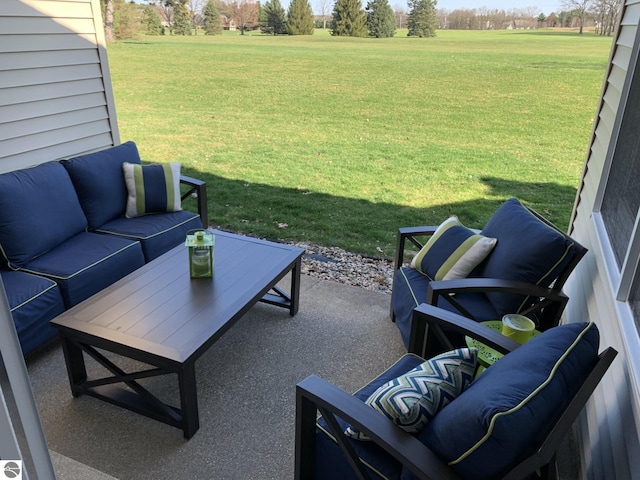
55 90
609 426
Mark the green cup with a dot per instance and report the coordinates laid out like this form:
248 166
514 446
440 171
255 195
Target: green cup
517 327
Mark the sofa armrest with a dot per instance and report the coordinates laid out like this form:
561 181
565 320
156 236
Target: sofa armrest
197 188
315 394
548 307
427 327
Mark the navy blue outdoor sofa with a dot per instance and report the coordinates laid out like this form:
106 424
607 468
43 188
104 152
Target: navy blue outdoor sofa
64 235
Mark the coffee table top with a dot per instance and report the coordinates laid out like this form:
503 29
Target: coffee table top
159 310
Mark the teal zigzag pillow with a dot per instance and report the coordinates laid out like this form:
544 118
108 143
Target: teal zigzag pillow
414 398
152 188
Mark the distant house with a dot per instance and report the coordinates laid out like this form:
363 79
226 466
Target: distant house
227 23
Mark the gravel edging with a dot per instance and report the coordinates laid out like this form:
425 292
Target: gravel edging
332 263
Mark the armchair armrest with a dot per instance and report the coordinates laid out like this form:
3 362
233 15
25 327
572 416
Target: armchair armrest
408 234
550 304
426 327
314 394
197 188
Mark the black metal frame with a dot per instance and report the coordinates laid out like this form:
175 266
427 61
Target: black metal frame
315 395
197 188
548 303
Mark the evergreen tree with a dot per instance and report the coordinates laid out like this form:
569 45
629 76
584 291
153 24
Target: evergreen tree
422 18
349 19
381 21
181 20
151 21
212 24
300 18
273 18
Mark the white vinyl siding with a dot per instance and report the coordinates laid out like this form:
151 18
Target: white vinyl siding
609 428
55 91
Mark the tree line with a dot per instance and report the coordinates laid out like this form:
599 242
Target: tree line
602 15
125 19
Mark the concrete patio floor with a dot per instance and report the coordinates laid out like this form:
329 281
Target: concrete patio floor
246 394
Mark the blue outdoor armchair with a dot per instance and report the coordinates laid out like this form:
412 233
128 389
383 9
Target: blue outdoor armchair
518 263
507 423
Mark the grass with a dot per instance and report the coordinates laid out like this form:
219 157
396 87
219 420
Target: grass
340 141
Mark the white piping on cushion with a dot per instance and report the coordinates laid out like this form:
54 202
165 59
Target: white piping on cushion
83 269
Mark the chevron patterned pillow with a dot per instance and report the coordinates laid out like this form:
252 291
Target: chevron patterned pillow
414 398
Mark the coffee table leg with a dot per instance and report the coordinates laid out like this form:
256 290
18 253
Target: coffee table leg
189 400
295 287
76 368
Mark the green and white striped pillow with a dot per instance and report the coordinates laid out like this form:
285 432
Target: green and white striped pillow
453 251
152 188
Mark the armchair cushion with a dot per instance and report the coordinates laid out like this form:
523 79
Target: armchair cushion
453 251
97 177
410 290
152 188
34 217
494 423
528 250
412 399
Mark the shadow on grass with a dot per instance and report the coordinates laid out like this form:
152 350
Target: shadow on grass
358 225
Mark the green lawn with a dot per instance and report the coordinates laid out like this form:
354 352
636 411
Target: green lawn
340 141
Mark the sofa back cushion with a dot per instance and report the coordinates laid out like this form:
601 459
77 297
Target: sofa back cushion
99 181
527 250
505 415
39 210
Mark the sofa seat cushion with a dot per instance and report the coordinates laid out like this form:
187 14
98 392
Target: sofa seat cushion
157 233
33 301
509 410
331 463
528 250
410 290
98 179
39 210
87 263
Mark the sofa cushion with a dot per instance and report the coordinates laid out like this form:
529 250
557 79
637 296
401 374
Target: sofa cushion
33 301
39 210
410 290
453 251
157 233
97 177
331 463
413 399
528 250
152 188
507 412
87 263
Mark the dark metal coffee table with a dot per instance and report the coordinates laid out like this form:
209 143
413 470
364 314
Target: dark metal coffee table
158 315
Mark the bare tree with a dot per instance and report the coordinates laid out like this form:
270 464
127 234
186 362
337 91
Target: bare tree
195 8
580 8
165 10
108 21
246 14
324 9
401 18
